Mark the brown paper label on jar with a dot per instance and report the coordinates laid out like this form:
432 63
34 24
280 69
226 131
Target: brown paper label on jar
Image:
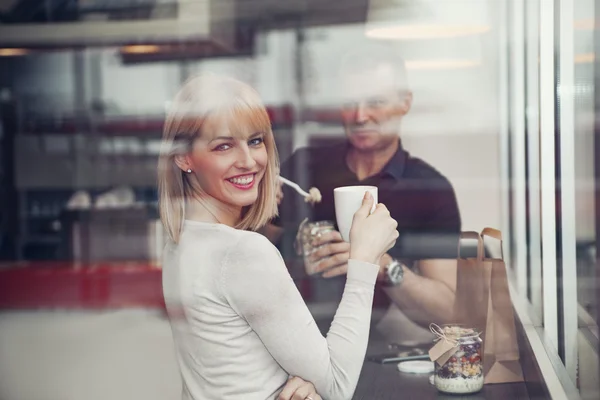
446 356
442 351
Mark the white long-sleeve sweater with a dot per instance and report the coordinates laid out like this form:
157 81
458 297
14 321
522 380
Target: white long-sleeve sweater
241 327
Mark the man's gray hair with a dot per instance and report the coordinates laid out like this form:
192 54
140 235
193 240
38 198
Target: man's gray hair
367 58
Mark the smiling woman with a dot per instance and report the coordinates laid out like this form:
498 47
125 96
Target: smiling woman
239 324
217 148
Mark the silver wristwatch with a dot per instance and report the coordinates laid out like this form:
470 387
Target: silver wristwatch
393 274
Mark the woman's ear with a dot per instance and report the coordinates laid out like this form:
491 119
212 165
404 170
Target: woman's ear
183 162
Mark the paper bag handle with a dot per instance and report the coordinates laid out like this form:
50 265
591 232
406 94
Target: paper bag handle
496 234
472 235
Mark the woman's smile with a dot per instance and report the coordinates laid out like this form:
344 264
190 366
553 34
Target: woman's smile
243 182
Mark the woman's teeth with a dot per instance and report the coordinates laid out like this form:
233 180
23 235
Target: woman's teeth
245 180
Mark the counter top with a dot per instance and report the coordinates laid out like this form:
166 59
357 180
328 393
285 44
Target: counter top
384 381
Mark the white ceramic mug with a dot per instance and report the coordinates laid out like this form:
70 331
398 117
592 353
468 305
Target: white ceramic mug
348 200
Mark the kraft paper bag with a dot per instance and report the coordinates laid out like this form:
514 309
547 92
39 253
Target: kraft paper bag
483 302
500 347
471 301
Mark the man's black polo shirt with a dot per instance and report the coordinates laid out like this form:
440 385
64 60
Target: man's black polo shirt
418 197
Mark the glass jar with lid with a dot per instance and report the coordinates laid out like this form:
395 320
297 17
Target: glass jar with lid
462 373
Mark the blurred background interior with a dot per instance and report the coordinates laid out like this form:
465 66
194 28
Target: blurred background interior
504 105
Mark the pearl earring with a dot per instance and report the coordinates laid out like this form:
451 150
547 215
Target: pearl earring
189 171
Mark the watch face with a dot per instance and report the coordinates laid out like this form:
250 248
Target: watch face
395 273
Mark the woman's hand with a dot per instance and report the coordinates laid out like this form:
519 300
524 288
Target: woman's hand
298 389
372 235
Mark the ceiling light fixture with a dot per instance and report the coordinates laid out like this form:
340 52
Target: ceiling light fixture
140 49
585 24
585 58
441 64
12 52
426 19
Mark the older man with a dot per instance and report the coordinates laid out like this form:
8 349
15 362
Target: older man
418 275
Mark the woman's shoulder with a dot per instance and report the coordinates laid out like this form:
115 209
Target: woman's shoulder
226 237
214 231
254 260
253 252
253 243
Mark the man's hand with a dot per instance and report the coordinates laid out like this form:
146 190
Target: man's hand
298 389
331 258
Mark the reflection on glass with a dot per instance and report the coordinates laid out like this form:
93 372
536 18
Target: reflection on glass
585 218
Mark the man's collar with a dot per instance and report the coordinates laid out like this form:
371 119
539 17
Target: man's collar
395 167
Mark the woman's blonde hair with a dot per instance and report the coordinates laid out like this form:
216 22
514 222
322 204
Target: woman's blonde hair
241 108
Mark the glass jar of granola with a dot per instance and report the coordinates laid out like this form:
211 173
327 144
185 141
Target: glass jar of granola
307 233
462 373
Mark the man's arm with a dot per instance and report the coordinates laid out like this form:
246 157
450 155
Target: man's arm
428 297
425 298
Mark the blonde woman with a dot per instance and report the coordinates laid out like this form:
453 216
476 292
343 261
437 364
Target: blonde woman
240 326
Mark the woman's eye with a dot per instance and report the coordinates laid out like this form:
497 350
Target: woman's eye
256 142
223 147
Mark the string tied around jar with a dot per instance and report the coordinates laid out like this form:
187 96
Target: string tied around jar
441 335
453 333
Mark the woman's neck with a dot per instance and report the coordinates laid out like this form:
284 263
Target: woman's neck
209 209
